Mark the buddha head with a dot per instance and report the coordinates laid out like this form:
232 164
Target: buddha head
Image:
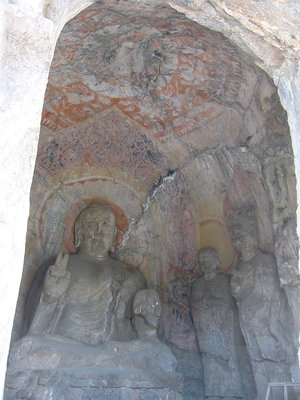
243 229
95 230
209 262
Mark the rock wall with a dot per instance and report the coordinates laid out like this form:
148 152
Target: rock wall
24 68
173 127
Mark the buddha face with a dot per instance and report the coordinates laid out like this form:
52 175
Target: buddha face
209 262
95 231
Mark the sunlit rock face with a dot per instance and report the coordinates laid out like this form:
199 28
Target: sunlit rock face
172 127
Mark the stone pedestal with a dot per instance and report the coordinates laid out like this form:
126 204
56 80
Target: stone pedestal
90 384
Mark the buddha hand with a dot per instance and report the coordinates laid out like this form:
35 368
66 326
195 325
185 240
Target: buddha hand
57 278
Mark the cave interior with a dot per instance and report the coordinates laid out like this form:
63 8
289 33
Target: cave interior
177 131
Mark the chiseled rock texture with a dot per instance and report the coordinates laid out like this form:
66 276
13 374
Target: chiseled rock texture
93 383
267 29
224 356
264 317
168 187
70 370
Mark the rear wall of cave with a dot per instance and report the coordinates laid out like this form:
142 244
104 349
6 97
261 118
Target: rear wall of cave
173 127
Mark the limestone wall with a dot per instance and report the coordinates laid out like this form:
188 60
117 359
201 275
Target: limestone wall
29 31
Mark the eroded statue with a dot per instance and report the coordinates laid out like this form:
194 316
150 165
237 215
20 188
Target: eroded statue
216 323
95 320
264 315
89 296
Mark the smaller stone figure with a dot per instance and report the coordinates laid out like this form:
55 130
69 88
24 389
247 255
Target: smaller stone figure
146 310
264 314
214 316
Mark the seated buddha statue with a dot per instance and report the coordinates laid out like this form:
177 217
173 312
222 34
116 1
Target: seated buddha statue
94 313
89 296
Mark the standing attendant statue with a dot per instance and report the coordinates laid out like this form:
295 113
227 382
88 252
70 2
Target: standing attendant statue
264 314
215 321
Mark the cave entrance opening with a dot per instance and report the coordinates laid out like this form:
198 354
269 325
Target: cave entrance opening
184 138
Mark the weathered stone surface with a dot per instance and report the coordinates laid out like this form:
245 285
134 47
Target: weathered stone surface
90 312
88 383
218 334
120 128
266 30
23 89
190 366
270 343
263 308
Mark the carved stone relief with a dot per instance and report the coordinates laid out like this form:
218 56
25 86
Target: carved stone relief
173 128
265 317
93 314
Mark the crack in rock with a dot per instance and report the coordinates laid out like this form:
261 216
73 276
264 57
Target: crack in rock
157 187
160 185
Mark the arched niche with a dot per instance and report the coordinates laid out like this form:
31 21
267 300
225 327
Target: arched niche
232 139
